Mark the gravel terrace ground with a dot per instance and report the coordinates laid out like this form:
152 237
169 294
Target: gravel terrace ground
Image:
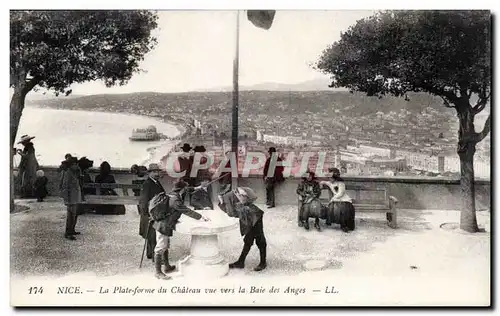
111 247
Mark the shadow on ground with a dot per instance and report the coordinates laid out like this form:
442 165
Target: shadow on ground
110 245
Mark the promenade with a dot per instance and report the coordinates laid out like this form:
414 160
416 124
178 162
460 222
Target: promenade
418 262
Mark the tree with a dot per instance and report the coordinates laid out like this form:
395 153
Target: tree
443 53
55 49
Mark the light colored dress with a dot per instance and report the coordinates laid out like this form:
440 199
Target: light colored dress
338 190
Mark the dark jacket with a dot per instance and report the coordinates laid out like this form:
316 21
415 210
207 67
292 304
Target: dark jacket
150 188
249 214
87 179
176 209
71 190
308 190
202 198
278 170
40 187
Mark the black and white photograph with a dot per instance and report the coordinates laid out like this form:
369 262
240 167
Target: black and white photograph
250 157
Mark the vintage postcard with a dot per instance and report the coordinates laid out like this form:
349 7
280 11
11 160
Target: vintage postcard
250 158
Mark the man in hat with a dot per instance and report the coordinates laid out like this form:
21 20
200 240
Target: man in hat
165 219
185 160
150 188
239 203
307 190
71 192
272 176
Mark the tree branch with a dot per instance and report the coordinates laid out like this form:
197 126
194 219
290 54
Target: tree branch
30 84
446 103
481 104
485 131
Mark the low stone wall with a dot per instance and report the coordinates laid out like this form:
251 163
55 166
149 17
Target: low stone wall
412 193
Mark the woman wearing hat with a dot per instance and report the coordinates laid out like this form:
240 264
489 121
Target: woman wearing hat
28 166
307 190
150 188
340 203
239 203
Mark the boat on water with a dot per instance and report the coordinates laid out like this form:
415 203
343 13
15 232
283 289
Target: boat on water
146 134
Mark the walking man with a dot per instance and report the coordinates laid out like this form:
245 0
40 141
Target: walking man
239 203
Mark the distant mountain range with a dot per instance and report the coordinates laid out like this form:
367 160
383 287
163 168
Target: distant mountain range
320 84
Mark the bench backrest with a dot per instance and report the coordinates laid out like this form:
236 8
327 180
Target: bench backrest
125 187
361 194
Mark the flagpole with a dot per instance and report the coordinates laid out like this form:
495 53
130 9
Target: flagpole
234 133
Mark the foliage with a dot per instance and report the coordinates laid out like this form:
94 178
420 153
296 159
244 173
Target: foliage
444 53
54 49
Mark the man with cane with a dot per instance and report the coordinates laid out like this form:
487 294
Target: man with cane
150 188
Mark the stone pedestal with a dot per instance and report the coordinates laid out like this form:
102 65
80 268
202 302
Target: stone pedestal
205 260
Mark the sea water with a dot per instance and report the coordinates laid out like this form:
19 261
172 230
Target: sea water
99 136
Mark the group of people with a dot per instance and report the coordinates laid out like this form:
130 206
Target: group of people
339 210
74 173
160 211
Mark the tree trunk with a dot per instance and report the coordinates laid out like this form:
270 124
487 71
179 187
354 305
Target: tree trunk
466 149
468 221
16 110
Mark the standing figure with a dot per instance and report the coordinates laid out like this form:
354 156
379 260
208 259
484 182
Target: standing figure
150 188
309 191
271 179
40 186
28 166
340 208
105 176
165 210
72 195
62 168
185 160
239 203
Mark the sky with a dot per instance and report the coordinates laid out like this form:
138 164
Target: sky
196 50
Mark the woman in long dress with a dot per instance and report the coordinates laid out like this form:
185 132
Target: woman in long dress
340 209
27 167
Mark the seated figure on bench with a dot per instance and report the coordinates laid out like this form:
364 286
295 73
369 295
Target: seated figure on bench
340 208
105 176
309 192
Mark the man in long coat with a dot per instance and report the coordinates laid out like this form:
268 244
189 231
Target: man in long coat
150 188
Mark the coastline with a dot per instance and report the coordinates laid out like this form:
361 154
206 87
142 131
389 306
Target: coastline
149 155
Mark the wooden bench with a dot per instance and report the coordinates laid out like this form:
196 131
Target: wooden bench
124 199
378 201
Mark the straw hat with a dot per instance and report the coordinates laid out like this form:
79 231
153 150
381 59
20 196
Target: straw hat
25 139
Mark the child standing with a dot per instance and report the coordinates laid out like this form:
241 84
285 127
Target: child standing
40 186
